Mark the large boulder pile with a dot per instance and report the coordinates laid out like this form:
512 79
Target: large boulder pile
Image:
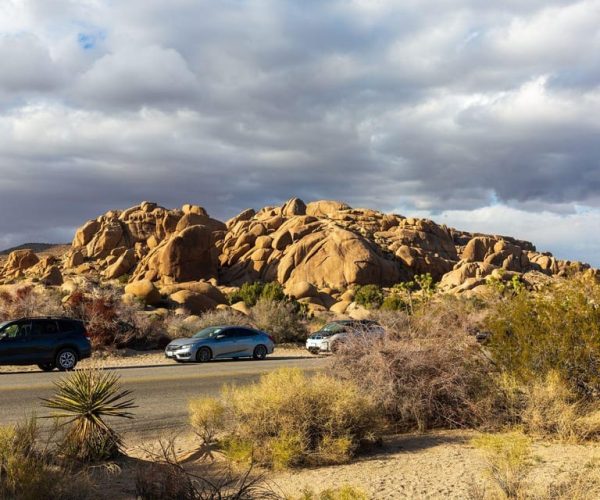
318 251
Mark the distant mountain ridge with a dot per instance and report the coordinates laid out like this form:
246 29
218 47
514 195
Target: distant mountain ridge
34 247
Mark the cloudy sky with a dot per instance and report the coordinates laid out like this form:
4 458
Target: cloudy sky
482 115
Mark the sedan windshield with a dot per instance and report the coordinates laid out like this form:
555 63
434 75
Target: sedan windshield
208 333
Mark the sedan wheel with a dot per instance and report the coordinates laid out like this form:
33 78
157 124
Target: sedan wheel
260 352
66 360
203 355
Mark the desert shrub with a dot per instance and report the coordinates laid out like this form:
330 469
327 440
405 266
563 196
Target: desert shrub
369 296
272 291
342 493
29 301
222 317
251 293
289 419
86 398
30 472
549 408
556 329
394 302
427 372
278 319
206 416
509 459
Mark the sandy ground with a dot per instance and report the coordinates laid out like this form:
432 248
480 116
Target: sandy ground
437 465
126 357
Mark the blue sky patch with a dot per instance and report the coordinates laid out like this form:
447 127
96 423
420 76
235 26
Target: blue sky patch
88 41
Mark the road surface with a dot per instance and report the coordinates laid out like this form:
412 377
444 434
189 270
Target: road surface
161 392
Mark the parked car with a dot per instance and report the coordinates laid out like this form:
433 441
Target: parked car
217 342
329 338
48 342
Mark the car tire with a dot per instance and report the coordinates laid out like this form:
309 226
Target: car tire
46 367
260 352
66 360
203 355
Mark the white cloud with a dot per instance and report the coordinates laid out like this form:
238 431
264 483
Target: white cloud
447 107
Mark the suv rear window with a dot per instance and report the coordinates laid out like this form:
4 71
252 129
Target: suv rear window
71 326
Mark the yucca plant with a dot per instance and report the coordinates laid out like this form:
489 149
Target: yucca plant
86 398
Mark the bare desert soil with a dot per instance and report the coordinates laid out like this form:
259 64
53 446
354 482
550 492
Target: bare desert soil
437 465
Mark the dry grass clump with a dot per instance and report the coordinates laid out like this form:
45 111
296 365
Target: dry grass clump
289 419
509 459
427 372
549 408
30 472
510 470
342 493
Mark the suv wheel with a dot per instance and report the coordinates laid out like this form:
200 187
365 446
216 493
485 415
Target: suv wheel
260 352
66 359
47 367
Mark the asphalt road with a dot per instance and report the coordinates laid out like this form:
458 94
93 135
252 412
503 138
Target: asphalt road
161 392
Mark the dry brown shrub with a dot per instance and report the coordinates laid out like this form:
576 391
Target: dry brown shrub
428 370
29 301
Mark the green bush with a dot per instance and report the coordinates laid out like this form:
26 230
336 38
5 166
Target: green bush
394 302
278 319
272 291
251 293
289 419
369 296
555 329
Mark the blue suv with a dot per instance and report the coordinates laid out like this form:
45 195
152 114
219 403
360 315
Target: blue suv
47 342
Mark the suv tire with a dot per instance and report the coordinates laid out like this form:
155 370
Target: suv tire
66 359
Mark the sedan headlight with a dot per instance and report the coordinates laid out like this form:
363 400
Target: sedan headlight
183 348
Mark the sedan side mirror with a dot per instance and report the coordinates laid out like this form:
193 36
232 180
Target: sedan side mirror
220 337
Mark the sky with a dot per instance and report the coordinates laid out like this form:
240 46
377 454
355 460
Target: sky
481 115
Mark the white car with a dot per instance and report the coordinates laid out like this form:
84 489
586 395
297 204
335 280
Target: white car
328 338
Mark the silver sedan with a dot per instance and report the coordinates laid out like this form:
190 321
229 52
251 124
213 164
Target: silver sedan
221 342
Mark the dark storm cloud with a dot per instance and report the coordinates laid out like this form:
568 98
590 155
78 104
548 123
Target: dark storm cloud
421 105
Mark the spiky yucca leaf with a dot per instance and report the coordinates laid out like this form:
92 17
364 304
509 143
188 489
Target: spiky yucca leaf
86 398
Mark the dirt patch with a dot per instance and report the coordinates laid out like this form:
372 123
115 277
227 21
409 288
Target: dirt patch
436 465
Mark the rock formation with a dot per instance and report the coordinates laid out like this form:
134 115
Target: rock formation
314 250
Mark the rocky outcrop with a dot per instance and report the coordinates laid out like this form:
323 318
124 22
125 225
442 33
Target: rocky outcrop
149 241
18 262
318 251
